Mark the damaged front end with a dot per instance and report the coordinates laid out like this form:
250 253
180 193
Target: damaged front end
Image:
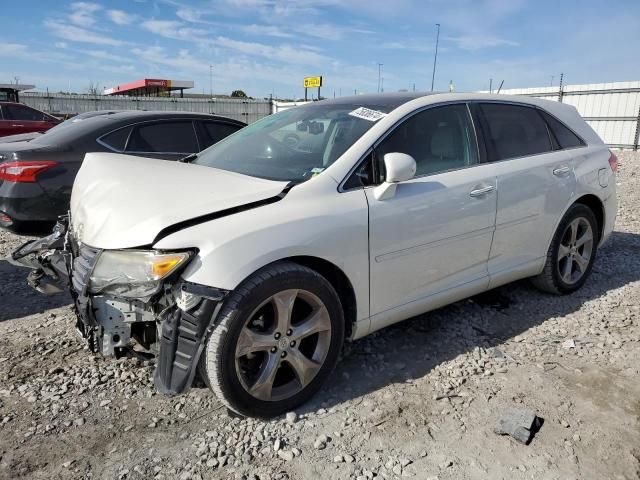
127 297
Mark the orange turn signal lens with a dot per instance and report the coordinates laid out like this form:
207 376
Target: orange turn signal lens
164 265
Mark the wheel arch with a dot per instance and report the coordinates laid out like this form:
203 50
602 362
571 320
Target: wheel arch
591 201
338 280
597 207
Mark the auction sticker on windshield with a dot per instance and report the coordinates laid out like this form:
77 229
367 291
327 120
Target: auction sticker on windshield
367 114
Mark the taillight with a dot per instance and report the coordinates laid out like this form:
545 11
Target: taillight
613 162
24 171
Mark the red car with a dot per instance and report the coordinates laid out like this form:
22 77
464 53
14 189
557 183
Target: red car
16 118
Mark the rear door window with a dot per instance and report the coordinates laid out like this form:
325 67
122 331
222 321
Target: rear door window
22 113
563 135
164 137
514 131
216 131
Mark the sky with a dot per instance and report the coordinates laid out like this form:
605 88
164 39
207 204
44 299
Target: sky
266 47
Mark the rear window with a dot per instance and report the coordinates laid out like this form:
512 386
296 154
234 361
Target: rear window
515 131
164 137
563 135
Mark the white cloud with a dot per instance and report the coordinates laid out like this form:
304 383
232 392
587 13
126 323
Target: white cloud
61 44
476 42
265 30
288 54
82 13
77 34
13 50
120 17
321 30
192 16
103 55
174 30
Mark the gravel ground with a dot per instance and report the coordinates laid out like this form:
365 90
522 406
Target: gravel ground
419 399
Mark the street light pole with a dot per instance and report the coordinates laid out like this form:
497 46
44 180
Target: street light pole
435 57
211 80
379 76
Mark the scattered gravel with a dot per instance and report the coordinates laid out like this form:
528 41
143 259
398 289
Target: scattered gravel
419 399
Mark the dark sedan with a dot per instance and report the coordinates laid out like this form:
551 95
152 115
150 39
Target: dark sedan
36 177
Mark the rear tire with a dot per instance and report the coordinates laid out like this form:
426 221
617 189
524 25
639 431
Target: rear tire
572 252
277 340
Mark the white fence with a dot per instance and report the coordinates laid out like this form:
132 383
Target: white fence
245 110
612 109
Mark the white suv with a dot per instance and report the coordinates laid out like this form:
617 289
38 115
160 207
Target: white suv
257 259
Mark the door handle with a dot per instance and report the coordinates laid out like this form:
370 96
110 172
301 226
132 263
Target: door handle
16 125
481 191
558 172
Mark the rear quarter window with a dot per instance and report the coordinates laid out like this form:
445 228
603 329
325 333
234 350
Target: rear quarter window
514 131
216 131
116 140
564 137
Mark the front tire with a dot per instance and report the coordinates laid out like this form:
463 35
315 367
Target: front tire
572 252
278 339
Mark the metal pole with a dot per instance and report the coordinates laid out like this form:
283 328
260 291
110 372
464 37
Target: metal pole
491 85
637 137
560 88
379 76
211 81
435 57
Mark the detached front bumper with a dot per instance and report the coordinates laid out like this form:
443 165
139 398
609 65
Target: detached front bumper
173 324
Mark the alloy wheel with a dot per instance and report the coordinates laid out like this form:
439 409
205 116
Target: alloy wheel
283 345
575 250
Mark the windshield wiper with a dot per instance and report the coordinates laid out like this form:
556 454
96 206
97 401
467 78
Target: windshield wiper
189 158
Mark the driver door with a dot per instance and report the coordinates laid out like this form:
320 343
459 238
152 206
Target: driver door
434 235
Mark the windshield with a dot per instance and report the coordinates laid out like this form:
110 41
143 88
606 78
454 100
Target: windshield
293 145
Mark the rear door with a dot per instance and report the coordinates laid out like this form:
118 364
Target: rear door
535 183
435 233
164 139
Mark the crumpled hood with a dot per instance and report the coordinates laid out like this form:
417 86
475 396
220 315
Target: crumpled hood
121 201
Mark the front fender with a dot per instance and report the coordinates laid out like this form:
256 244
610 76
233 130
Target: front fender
333 228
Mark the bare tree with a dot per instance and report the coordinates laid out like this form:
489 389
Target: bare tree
94 88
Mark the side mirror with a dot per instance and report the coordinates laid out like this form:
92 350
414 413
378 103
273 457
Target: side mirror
400 168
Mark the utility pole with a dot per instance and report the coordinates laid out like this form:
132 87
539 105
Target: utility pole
435 57
211 80
552 77
379 76
560 92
